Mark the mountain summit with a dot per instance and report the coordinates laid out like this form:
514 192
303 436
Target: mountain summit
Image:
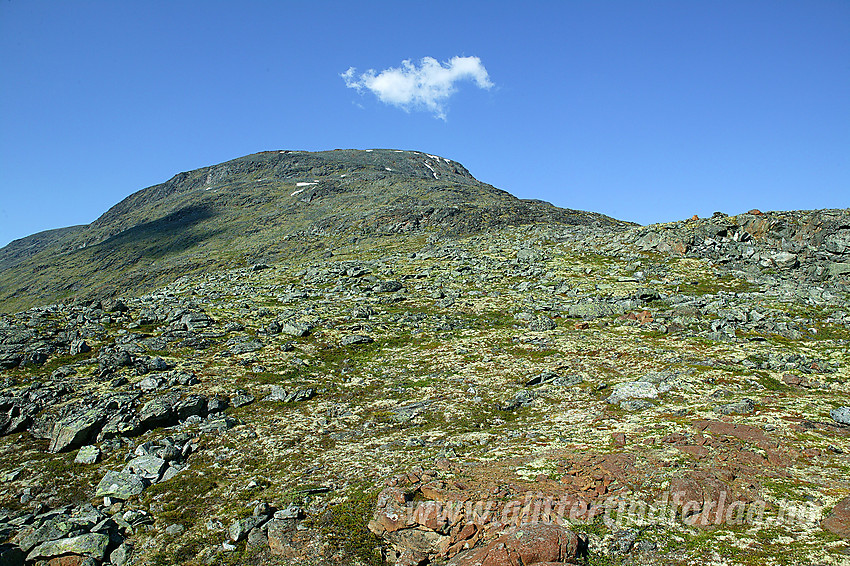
261 207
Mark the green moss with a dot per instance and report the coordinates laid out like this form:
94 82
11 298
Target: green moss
344 525
185 499
772 384
51 365
726 283
189 548
61 476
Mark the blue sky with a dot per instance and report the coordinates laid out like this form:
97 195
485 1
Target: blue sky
647 111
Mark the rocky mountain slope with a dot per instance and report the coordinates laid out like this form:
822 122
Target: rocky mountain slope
263 207
530 389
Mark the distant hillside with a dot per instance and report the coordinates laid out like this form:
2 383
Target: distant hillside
20 250
261 207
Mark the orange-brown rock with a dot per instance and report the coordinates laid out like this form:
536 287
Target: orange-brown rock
838 520
747 433
70 561
391 514
433 491
525 545
705 498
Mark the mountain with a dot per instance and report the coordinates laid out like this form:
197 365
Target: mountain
261 207
410 367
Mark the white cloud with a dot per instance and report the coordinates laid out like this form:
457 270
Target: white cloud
427 86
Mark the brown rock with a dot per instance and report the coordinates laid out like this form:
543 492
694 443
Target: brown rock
698 452
71 561
838 520
749 434
433 491
391 514
419 541
410 557
619 438
705 498
525 545
429 514
791 379
756 212
280 535
466 532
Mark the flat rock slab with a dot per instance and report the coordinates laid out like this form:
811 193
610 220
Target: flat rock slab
87 455
56 528
632 390
146 467
119 485
353 339
92 545
246 347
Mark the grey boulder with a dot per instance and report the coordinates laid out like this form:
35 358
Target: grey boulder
92 545
296 328
87 455
353 339
76 429
240 528
841 415
148 468
632 390
119 485
742 407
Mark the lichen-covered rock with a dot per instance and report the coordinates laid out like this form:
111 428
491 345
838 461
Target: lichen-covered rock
841 415
92 545
76 429
119 485
742 407
632 390
87 455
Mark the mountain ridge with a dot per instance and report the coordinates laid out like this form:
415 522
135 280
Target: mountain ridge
261 206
